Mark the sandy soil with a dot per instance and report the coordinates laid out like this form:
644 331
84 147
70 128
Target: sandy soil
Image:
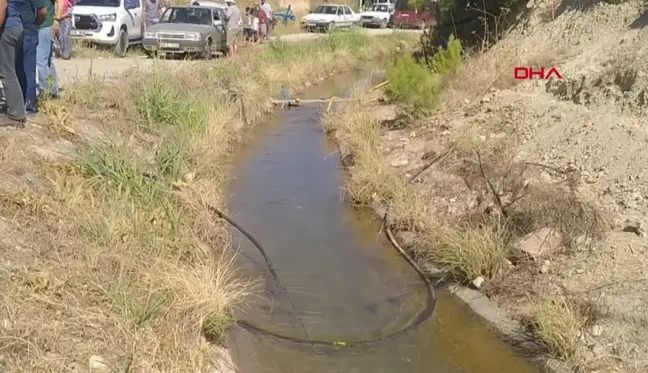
590 125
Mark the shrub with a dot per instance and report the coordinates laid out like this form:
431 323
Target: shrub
471 251
447 60
412 84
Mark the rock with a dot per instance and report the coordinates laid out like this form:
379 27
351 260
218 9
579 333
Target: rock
544 268
189 177
541 241
399 162
478 282
596 330
97 364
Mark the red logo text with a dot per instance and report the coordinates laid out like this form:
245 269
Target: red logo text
528 73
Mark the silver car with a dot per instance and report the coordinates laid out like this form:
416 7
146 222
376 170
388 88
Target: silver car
188 31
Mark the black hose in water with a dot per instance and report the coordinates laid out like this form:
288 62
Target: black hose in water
420 318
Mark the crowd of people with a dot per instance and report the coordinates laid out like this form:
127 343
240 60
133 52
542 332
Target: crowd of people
258 24
28 30
260 21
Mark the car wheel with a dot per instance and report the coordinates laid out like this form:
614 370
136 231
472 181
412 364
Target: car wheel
207 51
383 24
121 48
331 27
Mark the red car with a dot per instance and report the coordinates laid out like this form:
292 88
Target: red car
406 16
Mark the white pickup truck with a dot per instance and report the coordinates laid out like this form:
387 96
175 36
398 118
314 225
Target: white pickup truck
115 23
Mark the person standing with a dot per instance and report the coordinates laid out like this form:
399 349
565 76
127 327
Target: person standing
47 78
233 15
263 23
255 26
21 16
63 24
269 13
34 15
151 12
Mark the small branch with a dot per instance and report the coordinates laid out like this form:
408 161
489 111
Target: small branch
498 199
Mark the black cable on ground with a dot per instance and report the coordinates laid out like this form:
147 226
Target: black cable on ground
420 317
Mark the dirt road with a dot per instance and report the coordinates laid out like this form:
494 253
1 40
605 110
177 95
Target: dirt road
81 68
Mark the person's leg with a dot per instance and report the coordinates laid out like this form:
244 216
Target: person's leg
230 37
270 27
65 43
52 83
10 46
262 31
42 58
30 45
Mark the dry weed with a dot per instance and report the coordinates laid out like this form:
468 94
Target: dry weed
469 251
558 326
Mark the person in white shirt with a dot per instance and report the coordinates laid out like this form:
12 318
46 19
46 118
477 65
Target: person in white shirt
267 9
255 27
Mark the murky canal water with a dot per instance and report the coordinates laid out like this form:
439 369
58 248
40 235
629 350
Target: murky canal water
346 282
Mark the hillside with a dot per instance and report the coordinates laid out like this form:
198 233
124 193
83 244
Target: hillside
542 199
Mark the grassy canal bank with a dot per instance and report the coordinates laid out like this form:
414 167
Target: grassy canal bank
110 257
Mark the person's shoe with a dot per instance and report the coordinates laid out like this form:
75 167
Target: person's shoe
7 122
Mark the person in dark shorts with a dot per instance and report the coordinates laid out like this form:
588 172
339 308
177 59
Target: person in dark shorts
247 25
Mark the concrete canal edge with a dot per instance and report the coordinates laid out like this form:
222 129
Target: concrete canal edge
495 318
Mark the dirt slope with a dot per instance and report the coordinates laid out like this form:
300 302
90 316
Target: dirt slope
585 133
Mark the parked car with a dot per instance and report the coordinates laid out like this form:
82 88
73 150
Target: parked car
219 7
329 17
115 23
377 15
407 16
191 30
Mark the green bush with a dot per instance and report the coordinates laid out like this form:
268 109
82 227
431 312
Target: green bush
412 84
446 61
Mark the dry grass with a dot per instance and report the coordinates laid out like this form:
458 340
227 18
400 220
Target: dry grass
469 251
82 49
559 326
109 250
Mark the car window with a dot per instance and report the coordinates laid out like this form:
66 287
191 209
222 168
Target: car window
348 10
166 15
326 9
131 4
190 15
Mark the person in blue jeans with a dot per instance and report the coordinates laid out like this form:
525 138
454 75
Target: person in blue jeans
21 16
32 19
46 71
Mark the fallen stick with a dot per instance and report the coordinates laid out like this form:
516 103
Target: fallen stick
296 102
